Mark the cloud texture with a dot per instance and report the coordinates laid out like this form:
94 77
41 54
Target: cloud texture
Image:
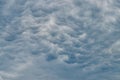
59 40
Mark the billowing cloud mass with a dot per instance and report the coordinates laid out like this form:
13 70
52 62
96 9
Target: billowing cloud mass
59 40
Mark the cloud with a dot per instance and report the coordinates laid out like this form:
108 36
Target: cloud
59 40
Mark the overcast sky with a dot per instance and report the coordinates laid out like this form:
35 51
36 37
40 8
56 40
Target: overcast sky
59 40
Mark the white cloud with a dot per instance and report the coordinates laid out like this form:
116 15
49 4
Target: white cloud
78 35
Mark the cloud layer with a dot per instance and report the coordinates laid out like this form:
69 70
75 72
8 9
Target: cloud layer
59 40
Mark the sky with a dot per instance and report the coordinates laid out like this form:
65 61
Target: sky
59 40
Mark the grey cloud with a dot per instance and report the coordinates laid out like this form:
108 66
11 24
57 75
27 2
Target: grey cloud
59 40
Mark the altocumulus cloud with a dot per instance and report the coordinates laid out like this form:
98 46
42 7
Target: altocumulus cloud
59 40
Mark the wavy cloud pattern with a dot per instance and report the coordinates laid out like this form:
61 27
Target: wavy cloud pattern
59 40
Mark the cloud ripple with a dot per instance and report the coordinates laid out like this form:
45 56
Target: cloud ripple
59 40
